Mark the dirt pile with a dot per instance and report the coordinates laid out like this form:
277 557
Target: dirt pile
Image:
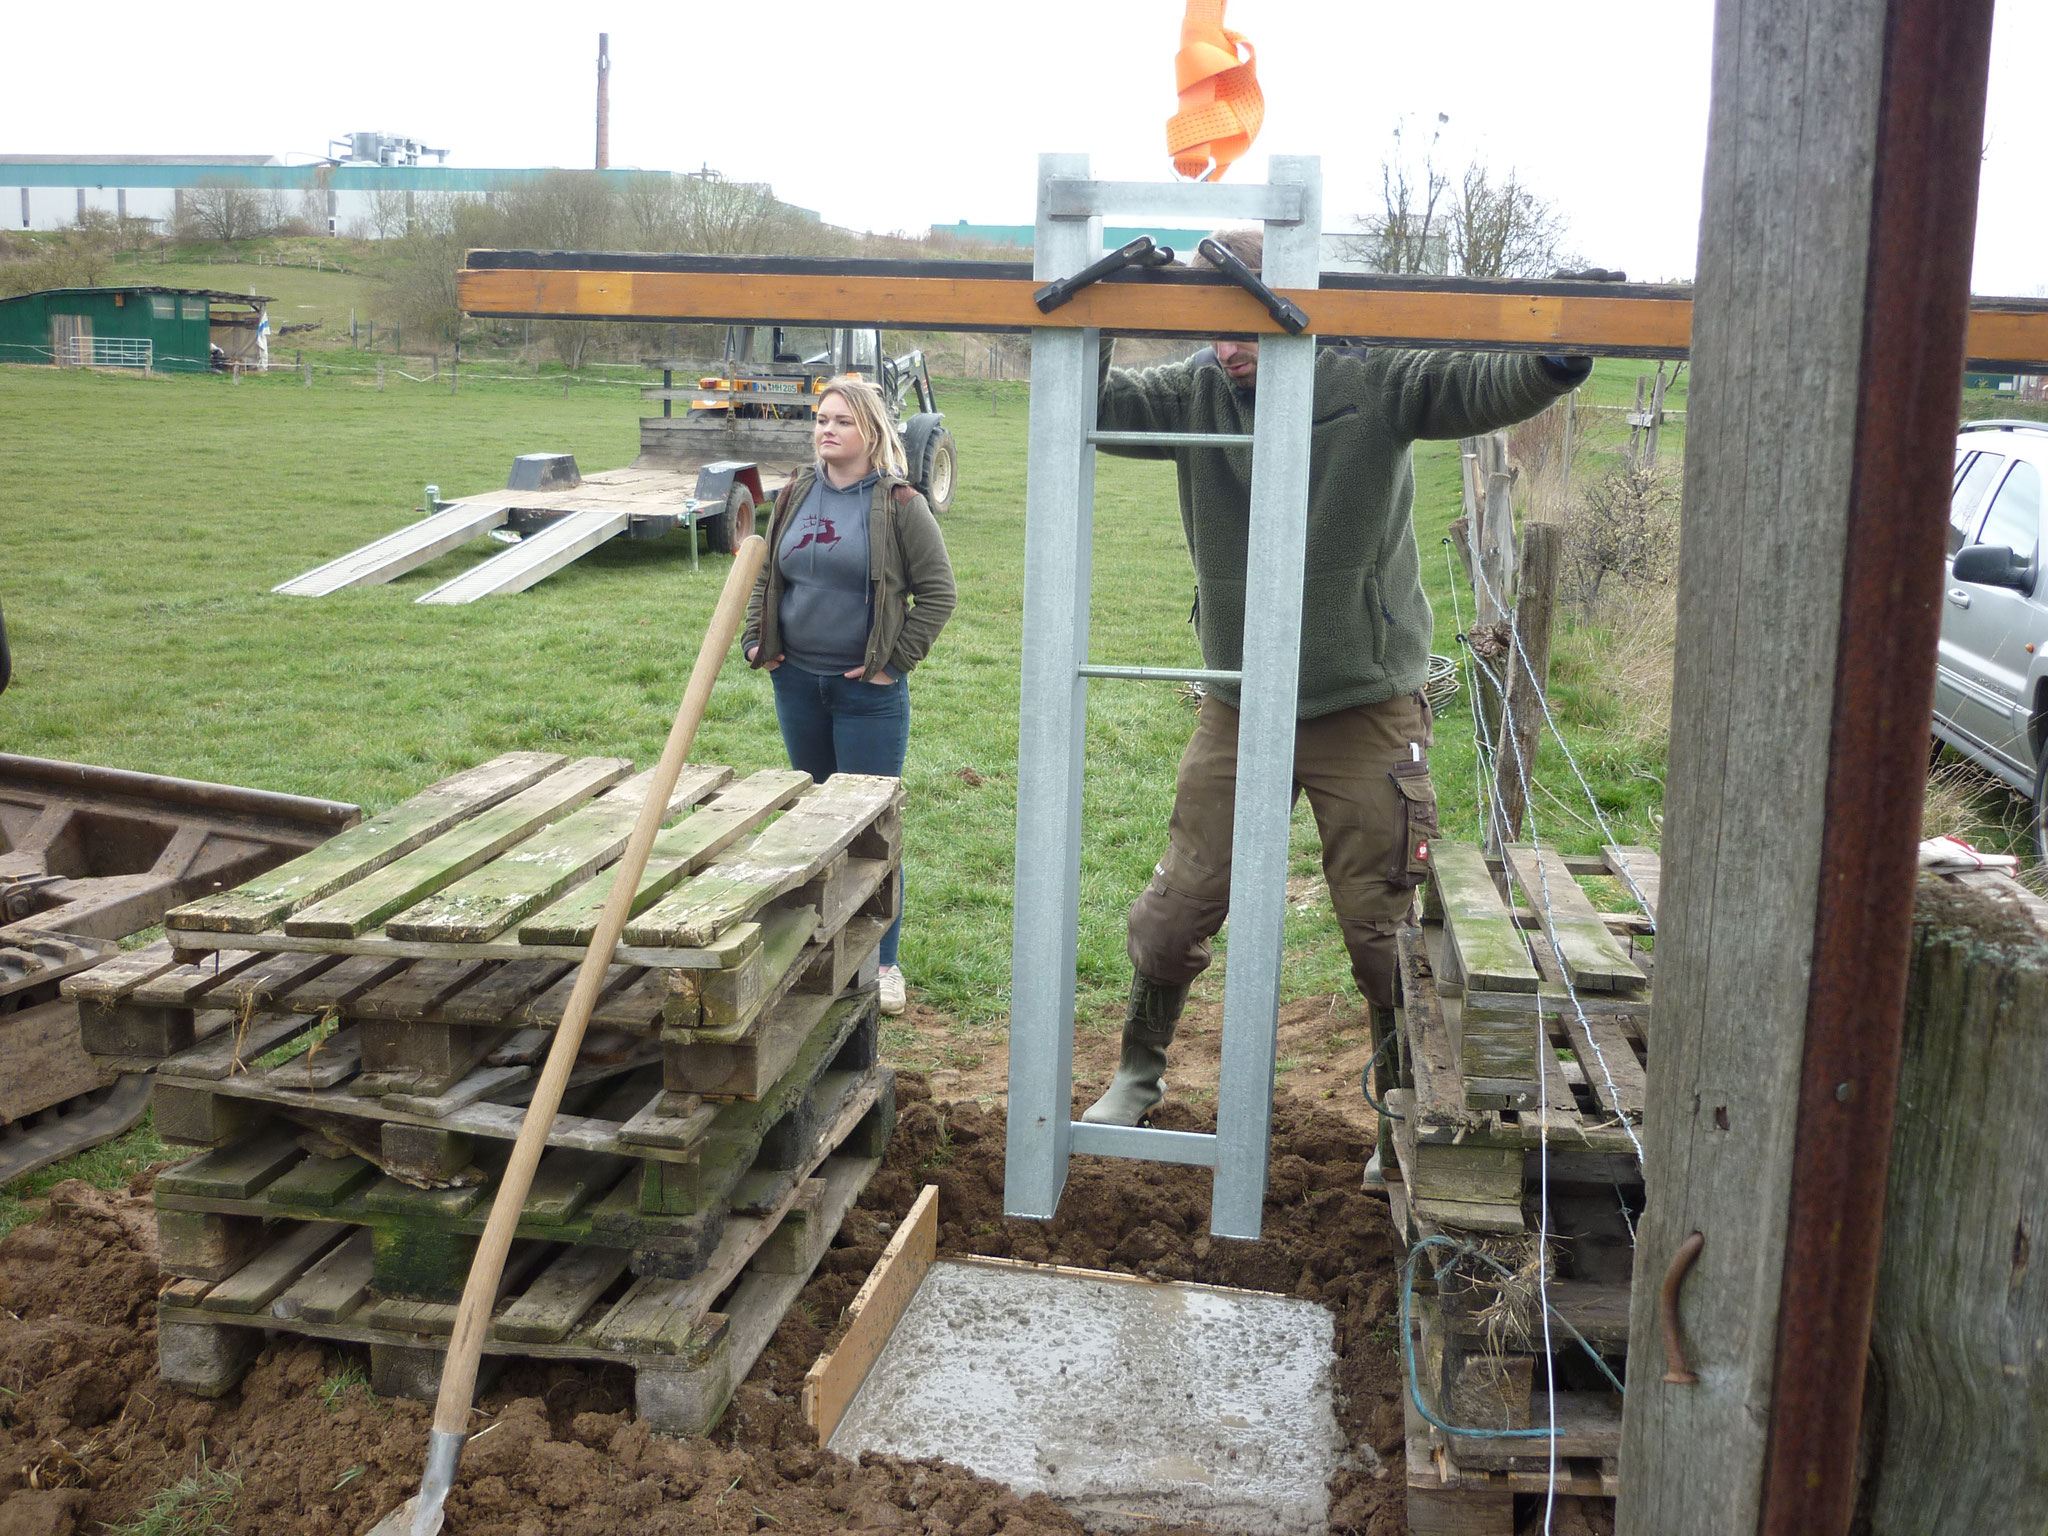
90 1438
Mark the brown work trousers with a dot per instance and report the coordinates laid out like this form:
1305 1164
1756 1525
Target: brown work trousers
1366 773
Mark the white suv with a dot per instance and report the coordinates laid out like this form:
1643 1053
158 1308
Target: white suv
1991 683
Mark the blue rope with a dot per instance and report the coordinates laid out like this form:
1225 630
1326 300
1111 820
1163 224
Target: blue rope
1408 1342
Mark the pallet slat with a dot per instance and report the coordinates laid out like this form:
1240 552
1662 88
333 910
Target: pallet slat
491 899
678 851
1592 957
1490 952
366 902
364 848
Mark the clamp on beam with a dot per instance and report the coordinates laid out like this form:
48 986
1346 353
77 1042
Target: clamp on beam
1289 317
1141 252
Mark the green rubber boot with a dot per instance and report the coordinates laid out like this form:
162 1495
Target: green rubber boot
1140 1081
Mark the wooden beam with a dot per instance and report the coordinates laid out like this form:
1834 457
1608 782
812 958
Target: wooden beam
1617 320
872 1317
1840 190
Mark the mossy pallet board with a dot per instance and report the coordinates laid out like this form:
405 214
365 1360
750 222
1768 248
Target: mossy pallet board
514 890
665 1205
563 1303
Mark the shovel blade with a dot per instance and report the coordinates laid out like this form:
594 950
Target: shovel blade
401 1521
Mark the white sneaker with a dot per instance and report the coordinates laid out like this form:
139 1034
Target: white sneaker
891 978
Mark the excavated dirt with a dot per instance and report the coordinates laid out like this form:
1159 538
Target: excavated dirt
89 1437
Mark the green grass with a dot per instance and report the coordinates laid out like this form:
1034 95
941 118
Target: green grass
145 635
108 1166
196 1505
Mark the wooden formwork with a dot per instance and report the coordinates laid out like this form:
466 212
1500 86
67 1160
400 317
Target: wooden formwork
1523 1032
353 1040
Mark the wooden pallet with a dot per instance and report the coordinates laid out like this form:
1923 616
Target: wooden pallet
509 862
1510 1087
618 1173
688 1342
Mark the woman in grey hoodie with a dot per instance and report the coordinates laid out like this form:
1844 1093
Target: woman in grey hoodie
856 589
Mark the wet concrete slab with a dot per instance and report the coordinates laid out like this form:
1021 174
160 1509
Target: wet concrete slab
1131 1403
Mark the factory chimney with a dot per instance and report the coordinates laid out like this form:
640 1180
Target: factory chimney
604 101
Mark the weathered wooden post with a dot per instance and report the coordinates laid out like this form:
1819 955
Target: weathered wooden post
1961 1330
1528 673
1828 321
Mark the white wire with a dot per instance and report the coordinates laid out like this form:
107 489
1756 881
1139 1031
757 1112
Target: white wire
1542 698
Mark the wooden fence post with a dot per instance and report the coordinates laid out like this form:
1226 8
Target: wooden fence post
1528 676
1960 1333
1833 289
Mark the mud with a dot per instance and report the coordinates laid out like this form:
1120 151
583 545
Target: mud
89 1437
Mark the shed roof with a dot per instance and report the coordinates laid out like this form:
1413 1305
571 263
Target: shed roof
196 293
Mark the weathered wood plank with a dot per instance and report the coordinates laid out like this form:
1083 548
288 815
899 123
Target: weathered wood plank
121 974
874 1312
674 1120
271 978
718 1007
331 991
555 1303
530 876
46 1061
417 991
323 1181
1612 1071
496 996
256 1284
678 852
235 1172
1593 958
1433 1056
792 851
333 1288
334 1059
364 848
236 1048
366 902
1642 866
1489 948
185 986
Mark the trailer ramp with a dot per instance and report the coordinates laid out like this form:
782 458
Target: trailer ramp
407 549
533 557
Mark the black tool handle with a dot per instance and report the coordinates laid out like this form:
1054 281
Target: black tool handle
1288 317
1141 252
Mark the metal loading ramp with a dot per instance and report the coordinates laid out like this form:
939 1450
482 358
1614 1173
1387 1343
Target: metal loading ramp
532 558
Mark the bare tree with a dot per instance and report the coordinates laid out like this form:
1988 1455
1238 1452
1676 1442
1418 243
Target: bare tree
1500 228
388 216
223 210
1408 234
706 214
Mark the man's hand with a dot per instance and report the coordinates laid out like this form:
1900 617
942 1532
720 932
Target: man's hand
880 679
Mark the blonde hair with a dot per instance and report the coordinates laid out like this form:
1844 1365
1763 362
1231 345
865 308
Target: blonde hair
871 419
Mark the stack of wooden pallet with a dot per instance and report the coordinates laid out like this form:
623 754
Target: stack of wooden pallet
1524 1030
354 1036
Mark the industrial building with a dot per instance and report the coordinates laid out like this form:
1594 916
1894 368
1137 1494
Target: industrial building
369 191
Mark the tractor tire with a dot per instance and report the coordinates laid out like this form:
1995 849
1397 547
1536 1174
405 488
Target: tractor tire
936 474
728 530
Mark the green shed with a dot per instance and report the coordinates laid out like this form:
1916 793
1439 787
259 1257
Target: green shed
171 330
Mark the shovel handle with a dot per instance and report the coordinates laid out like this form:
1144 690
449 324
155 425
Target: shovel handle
480 1293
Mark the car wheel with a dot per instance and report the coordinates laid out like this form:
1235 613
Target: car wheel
2041 809
724 533
935 475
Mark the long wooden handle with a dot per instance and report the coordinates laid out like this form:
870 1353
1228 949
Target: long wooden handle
480 1294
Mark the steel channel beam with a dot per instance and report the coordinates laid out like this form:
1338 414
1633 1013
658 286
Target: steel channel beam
1140 1143
1924 213
1160 674
1275 202
1170 439
1059 503
86 779
1265 758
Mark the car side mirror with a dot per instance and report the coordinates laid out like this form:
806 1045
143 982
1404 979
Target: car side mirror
1993 565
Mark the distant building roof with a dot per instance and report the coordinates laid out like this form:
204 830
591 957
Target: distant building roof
193 293
140 160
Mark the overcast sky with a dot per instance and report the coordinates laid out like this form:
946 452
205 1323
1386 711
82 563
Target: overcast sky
897 117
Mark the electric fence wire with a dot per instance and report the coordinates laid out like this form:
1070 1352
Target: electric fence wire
1543 699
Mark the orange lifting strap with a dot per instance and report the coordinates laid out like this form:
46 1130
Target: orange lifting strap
1220 104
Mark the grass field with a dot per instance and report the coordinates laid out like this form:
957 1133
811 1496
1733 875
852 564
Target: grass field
149 519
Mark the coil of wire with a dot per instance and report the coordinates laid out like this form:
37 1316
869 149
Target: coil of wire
1440 682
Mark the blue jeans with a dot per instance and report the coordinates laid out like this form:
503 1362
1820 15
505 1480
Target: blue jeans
843 725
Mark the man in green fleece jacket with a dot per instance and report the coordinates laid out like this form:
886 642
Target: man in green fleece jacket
1363 729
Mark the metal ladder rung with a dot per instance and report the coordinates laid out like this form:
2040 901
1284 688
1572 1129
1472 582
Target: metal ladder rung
1141 1142
1170 439
1159 674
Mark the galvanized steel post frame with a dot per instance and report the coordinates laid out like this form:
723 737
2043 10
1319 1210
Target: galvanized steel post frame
1058 526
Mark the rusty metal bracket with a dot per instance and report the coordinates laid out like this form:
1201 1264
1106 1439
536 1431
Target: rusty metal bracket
1676 1372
